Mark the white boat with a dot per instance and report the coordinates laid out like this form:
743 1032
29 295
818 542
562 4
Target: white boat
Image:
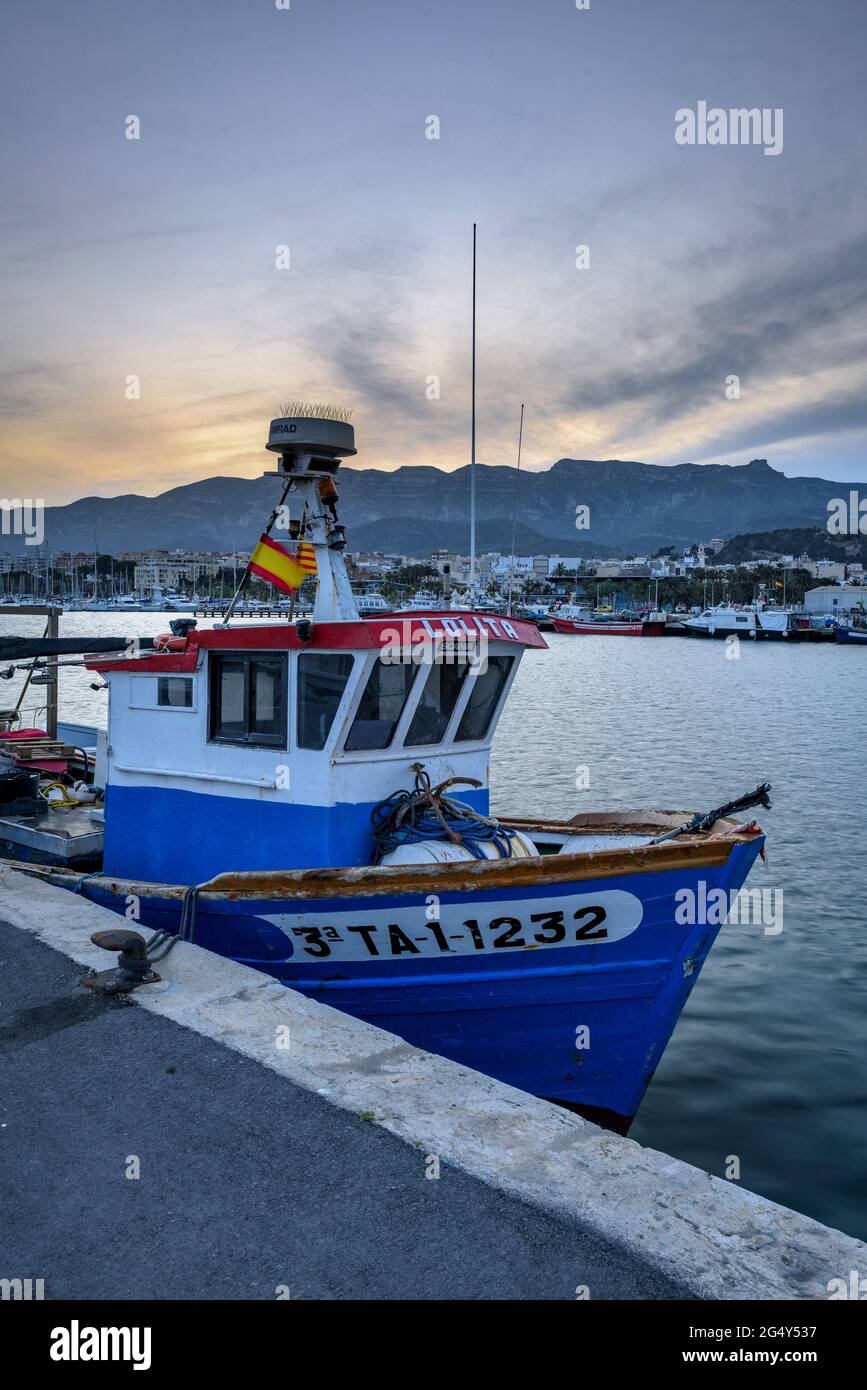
371 603
422 601
753 621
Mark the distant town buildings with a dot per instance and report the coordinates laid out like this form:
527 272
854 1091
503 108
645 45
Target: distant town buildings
149 574
667 567
828 570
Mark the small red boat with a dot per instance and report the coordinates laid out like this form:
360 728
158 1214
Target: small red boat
568 618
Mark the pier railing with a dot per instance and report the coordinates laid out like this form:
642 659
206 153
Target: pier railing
218 610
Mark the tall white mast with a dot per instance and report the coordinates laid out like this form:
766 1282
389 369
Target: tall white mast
473 441
515 510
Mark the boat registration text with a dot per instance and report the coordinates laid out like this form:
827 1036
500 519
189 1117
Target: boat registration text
465 929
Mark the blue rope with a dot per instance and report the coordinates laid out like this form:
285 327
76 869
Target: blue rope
79 887
408 818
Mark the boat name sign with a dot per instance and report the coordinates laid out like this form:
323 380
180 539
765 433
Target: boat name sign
434 929
450 627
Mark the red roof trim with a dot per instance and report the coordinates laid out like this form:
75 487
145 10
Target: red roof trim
363 635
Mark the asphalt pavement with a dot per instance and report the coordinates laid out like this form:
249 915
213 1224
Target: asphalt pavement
141 1160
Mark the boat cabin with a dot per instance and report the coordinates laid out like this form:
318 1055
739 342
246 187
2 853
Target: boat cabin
267 746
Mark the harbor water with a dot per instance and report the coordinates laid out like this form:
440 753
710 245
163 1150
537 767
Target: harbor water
765 1079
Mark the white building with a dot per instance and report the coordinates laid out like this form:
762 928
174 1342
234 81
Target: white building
448 561
698 561
167 574
522 566
519 564
667 567
835 598
828 570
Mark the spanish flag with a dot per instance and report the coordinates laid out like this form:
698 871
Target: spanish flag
284 568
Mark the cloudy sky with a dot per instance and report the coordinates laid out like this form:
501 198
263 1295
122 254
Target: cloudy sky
306 127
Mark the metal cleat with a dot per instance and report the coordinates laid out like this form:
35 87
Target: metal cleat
133 968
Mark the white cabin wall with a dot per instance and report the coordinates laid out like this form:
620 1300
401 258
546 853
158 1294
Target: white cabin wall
152 745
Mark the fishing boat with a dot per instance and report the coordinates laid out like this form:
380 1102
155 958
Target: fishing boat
851 634
311 798
752 620
577 620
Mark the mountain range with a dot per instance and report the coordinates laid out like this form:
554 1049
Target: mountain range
633 508
795 541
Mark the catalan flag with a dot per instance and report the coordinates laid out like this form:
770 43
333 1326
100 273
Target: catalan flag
284 568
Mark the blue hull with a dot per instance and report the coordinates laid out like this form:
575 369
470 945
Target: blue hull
583 1024
851 635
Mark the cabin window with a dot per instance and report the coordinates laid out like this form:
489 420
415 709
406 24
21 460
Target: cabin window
175 692
438 699
248 699
484 698
322 678
381 706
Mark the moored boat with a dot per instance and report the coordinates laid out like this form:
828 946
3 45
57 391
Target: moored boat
751 620
371 603
312 799
422 601
578 620
850 635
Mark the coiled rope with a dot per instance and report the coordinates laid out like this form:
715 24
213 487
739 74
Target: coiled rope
407 818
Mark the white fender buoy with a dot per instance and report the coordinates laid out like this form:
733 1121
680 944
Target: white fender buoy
445 852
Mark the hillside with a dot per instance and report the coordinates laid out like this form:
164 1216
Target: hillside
634 507
812 541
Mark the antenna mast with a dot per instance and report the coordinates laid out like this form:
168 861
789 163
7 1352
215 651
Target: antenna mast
515 510
473 442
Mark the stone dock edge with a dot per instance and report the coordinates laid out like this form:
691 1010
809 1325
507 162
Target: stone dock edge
712 1236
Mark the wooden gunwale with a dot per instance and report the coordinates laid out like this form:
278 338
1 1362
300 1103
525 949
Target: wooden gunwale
684 852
